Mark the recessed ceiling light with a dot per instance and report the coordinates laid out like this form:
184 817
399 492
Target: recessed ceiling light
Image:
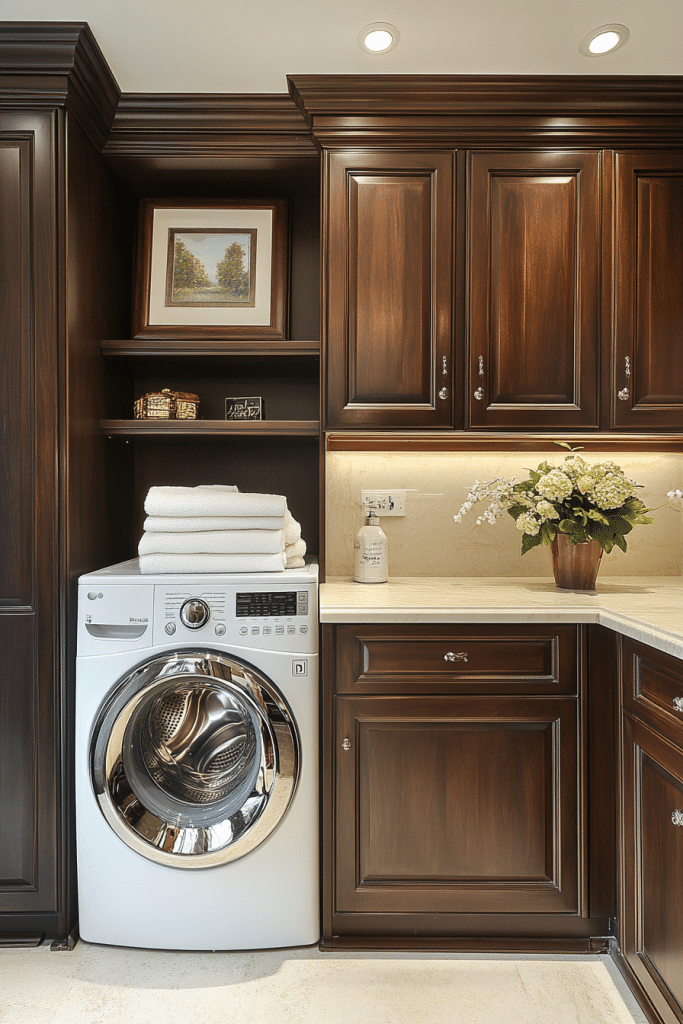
379 37
603 40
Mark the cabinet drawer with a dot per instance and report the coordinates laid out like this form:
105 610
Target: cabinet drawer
653 687
477 659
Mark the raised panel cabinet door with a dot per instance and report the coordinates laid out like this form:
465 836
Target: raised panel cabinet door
456 805
533 238
648 332
652 899
388 265
29 640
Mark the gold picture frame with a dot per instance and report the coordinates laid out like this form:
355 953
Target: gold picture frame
211 269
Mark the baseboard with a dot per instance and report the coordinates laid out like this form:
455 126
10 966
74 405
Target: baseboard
639 993
445 944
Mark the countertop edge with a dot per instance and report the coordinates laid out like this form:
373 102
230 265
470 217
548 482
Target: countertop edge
653 616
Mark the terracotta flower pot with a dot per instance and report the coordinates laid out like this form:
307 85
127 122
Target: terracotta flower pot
575 566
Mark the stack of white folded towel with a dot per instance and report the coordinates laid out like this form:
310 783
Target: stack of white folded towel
215 528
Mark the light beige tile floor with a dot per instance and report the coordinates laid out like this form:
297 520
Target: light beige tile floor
110 985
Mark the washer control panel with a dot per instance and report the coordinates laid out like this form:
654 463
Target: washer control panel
268 619
271 603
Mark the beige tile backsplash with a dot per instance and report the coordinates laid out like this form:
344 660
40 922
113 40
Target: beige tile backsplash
426 542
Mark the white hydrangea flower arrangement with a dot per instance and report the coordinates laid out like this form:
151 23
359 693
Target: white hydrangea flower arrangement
582 501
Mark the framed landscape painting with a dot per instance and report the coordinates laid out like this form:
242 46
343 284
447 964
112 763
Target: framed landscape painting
211 269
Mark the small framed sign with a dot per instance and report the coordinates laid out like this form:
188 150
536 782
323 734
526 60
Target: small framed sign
244 408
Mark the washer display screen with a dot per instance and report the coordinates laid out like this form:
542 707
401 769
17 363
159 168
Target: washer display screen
266 603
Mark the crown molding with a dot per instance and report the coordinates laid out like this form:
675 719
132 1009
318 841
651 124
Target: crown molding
210 125
58 64
457 110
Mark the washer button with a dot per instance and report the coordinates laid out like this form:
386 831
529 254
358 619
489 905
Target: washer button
279 629
303 629
291 629
170 628
243 630
220 629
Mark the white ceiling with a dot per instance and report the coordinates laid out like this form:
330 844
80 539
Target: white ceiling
249 46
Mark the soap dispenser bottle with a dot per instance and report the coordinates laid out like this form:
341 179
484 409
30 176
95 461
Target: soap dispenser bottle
370 561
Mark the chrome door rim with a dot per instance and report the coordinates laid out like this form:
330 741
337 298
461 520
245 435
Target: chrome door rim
165 839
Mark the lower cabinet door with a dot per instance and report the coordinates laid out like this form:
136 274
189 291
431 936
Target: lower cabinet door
466 805
652 896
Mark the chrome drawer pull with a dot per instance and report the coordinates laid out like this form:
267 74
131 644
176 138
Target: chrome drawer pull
346 744
678 703
677 817
450 656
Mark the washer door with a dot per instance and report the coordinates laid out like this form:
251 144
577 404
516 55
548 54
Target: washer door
194 759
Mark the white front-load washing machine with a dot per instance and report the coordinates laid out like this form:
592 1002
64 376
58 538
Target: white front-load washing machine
197 759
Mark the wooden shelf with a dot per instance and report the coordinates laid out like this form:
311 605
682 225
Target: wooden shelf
210 428
209 347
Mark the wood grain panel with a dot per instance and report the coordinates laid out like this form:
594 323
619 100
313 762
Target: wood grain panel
652 906
16 255
18 758
487 659
649 297
457 805
388 250
534 238
389 288
652 682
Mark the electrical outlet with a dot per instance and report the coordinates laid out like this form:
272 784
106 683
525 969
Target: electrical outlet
384 503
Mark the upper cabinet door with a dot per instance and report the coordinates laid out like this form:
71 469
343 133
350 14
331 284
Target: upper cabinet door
388 258
534 289
648 364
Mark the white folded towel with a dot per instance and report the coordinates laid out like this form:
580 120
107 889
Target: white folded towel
292 528
202 524
295 563
297 549
214 542
204 563
211 501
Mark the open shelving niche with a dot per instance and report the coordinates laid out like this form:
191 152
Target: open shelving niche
245 149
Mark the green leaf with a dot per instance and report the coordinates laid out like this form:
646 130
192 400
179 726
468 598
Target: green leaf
547 533
529 542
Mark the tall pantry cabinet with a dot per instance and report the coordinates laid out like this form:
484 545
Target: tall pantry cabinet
60 287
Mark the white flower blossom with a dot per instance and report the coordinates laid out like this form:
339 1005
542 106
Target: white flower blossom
546 511
528 523
555 485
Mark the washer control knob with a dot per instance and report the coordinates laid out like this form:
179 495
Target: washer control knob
194 613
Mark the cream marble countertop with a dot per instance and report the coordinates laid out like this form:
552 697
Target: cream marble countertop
645 608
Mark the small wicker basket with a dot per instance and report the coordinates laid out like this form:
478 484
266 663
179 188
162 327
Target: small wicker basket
167 405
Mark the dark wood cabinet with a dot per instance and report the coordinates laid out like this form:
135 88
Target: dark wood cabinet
648 330
31 876
652 917
388 258
456 804
651 907
534 251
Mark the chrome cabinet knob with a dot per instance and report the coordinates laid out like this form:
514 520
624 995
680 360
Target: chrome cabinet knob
443 393
450 656
677 817
678 703
623 395
479 394
346 744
